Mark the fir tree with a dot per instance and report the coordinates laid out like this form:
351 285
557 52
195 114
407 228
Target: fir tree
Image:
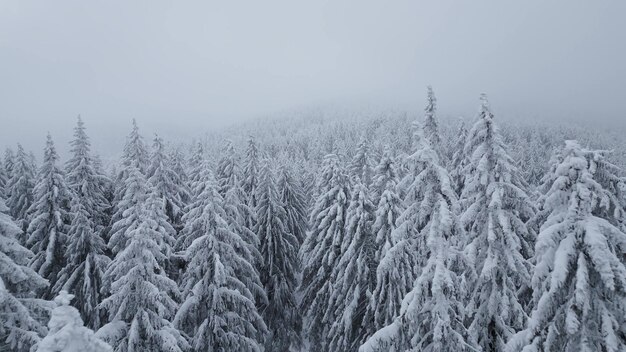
360 166
167 184
579 283
142 296
388 211
432 314
235 204
322 247
495 211
21 314
293 199
389 205
84 182
459 160
279 249
353 278
85 264
9 161
134 157
430 125
129 209
220 284
47 232
66 331
196 165
251 178
177 164
20 188
4 179
203 215
228 172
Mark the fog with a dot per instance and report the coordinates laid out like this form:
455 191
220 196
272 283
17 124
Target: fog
182 68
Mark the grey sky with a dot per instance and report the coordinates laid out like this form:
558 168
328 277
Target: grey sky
180 67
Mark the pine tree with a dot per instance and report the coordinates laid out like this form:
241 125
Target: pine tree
129 209
294 200
20 188
353 278
496 208
86 264
134 157
235 204
384 305
401 264
9 161
432 314
135 152
220 284
85 182
579 283
21 314
459 160
228 172
167 184
251 178
142 296
47 232
361 163
4 179
389 206
196 165
177 164
279 249
430 125
321 249
66 331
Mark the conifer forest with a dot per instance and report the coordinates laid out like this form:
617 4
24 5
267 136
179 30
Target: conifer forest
380 233
312 176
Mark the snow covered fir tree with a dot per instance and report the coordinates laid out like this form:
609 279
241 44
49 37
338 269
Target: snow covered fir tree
324 231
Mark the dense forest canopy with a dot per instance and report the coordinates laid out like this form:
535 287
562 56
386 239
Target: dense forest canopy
328 230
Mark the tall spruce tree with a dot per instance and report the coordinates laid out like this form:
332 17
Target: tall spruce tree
47 232
353 278
22 316
430 126
459 160
196 165
496 208
432 313
4 179
130 209
86 263
361 165
251 178
166 183
9 161
389 206
294 200
142 296
579 283
321 250
220 284
21 185
235 200
279 250
383 306
85 182
134 157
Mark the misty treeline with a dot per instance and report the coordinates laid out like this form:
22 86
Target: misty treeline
372 234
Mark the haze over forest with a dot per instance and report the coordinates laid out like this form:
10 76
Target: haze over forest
206 65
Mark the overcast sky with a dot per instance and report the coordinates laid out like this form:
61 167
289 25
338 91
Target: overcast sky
180 67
